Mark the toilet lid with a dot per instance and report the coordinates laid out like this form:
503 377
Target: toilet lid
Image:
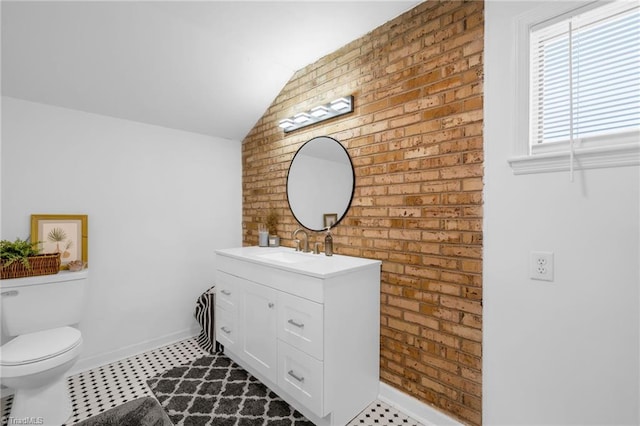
38 346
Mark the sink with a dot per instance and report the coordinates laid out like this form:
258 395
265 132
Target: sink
285 256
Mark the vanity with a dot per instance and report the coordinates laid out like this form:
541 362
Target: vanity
304 324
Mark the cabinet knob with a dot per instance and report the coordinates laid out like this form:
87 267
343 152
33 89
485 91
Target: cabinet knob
271 304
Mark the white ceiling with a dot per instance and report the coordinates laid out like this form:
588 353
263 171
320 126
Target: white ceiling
210 67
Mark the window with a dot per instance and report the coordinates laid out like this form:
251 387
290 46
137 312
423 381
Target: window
584 86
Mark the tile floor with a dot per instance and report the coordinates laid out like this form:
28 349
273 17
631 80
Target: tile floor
102 388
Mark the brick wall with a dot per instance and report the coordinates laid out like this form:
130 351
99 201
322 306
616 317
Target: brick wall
415 139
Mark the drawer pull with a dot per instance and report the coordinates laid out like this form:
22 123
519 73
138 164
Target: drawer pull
295 376
225 329
226 292
297 324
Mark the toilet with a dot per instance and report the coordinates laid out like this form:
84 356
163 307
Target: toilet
39 314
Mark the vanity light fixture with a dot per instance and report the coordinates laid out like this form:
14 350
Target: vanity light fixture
319 111
286 123
340 104
301 117
335 108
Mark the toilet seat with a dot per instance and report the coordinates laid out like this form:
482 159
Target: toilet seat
39 346
34 353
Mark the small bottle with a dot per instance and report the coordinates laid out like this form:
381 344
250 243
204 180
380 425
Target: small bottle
328 243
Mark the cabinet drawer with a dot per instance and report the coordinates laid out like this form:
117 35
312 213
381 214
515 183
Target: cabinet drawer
226 327
300 323
301 376
227 290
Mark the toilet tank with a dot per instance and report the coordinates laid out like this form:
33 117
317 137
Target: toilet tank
43 302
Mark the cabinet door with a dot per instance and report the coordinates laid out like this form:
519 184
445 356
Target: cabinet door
259 328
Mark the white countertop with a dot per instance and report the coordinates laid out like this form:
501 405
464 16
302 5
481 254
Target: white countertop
316 265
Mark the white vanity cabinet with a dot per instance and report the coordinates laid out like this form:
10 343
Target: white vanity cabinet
306 325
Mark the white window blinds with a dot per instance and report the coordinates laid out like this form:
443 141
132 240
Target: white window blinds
585 75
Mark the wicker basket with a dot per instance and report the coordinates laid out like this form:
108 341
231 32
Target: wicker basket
41 264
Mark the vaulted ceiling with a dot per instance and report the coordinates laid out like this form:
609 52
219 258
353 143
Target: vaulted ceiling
210 67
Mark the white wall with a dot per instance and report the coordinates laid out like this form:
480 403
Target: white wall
159 201
564 352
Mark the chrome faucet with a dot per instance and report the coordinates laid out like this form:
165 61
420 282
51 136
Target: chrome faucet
306 239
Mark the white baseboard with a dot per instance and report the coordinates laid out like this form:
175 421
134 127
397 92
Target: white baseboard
414 408
84 364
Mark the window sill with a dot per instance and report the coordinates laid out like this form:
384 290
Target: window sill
584 158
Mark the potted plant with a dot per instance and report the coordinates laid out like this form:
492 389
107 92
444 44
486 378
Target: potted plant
272 227
21 258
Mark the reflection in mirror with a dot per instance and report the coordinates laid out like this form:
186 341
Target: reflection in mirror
320 183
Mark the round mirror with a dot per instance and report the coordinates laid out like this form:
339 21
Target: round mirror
320 183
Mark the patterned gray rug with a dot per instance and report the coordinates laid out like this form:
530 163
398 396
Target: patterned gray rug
139 412
214 390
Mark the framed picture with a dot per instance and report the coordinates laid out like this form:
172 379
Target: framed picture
330 219
66 234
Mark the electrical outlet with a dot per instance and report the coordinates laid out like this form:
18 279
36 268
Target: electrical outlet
541 265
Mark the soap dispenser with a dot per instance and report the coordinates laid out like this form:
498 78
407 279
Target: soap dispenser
328 243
